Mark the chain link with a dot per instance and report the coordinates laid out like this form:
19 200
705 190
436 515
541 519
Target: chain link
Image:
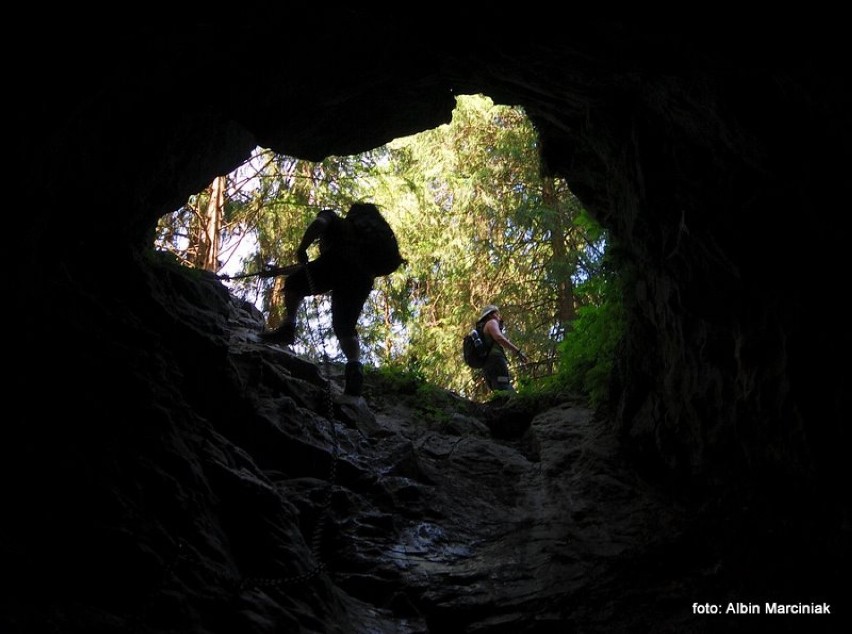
319 528
183 556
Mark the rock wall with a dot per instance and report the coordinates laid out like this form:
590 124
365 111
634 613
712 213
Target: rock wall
717 165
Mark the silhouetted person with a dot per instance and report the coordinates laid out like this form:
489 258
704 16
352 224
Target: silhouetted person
344 269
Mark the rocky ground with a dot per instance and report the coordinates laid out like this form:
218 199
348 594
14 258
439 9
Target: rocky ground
230 488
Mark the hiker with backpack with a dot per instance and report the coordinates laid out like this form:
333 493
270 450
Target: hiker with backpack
354 250
496 365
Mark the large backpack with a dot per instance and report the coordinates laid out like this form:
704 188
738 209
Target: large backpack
376 241
474 349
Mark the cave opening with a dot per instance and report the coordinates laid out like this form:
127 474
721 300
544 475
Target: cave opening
479 221
157 469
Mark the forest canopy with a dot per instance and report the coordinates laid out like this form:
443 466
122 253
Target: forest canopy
476 220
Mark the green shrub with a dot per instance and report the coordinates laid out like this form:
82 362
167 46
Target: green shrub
587 353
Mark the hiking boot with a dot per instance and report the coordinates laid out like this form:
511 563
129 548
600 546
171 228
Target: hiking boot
354 376
285 333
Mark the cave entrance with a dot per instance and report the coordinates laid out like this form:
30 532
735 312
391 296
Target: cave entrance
477 221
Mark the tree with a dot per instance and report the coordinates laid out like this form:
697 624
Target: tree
209 228
475 218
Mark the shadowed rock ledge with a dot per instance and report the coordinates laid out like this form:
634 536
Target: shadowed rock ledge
265 502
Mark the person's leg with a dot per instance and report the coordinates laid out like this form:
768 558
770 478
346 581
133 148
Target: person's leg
351 347
292 304
490 371
310 279
286 331
347 301
497 374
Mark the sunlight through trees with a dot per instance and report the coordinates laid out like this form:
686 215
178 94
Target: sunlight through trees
475 218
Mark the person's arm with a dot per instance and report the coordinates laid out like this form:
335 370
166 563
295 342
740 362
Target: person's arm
311 235
493 329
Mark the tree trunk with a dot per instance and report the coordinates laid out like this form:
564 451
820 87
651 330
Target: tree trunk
211 224
566 312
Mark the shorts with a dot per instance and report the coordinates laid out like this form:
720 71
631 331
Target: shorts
496 371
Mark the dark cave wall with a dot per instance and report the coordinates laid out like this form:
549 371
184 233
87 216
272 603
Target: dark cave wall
716 198
706 187
706 161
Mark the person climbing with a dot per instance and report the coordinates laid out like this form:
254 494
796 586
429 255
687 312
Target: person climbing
354 250
496 368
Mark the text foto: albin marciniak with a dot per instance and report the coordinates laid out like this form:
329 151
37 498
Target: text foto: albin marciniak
778 608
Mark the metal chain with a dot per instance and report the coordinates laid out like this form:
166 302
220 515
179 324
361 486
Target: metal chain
183 556
319 528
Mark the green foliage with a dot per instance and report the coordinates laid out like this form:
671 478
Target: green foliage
433 405
587 353
396 379
477 223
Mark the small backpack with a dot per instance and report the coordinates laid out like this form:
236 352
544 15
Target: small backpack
474 348
375 239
